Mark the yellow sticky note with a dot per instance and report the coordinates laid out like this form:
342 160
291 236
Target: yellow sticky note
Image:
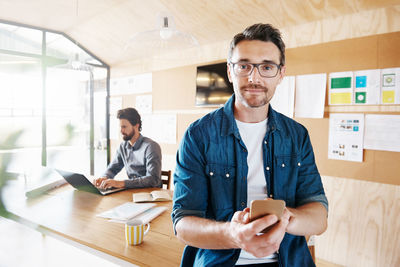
388 97
340 98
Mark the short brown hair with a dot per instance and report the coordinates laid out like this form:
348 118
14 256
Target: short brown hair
261 32
131 115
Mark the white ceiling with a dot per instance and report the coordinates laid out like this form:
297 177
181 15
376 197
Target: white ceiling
105 26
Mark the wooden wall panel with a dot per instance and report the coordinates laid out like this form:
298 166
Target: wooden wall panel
174 89
388 52
379 51
353 54
174 92
378 166
363 224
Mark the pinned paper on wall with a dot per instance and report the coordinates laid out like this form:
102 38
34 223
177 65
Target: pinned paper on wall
367 87
144 104
283 99
115 105
382 132
346 133
137 84
390 90
310 85
341 88
160 127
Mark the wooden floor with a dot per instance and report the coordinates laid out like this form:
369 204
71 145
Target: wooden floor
322 263
21 246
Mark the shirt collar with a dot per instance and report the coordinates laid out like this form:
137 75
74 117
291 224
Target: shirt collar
228 120
136 145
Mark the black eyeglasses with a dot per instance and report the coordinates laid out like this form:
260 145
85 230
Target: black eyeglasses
266 70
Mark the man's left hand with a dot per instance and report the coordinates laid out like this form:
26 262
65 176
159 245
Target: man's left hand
108 183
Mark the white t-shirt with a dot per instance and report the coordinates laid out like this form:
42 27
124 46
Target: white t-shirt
253 135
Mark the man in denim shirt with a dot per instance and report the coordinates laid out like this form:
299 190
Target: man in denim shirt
246 151
140 156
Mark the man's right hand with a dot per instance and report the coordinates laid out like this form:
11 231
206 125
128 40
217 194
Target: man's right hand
97 182
238 233
246 235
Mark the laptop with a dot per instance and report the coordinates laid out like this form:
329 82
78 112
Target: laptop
80 182
40 180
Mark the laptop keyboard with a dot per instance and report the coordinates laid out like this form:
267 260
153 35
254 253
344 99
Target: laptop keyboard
106 190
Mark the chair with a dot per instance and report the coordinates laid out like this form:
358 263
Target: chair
166 178
311 246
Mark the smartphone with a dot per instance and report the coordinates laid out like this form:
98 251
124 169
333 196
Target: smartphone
260 208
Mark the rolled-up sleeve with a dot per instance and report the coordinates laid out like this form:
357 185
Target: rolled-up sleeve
309 185
190 182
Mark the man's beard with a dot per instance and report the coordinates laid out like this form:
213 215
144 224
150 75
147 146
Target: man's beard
252 101
129 136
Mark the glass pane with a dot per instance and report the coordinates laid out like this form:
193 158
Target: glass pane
20 39
68 127
100 134
20 110
61 47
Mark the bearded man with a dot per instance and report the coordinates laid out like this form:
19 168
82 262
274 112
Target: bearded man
140 155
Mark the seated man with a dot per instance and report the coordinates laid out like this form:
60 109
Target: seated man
140 156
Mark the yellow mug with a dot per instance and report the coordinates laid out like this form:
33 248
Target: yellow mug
135 231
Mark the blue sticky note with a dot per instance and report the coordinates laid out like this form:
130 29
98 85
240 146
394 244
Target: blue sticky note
361 81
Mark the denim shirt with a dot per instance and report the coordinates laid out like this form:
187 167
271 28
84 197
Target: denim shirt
142 163
211 179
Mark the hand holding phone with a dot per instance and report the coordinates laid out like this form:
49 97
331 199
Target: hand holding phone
260 208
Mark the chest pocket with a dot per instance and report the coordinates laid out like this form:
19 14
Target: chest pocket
222 185
286 171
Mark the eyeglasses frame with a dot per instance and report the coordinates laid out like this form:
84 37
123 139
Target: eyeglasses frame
256 65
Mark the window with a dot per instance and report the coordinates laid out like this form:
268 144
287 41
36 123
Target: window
57 99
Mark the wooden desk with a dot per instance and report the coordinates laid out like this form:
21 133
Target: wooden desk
72 214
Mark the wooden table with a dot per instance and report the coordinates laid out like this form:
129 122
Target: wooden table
71 214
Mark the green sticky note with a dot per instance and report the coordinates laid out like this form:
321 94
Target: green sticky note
361 98
342 82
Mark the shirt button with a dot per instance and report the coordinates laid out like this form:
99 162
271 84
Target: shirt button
283 165
243 204
244 150
227 175
271 195
267 168
299 164
244 178
211 173
265 142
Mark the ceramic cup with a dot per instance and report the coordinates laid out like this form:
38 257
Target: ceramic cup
135 232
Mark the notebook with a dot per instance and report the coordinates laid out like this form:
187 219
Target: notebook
157 195
80 182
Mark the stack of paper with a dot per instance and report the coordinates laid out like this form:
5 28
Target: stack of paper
132 211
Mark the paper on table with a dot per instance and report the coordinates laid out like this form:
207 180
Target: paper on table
125 211
313 85
144 217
